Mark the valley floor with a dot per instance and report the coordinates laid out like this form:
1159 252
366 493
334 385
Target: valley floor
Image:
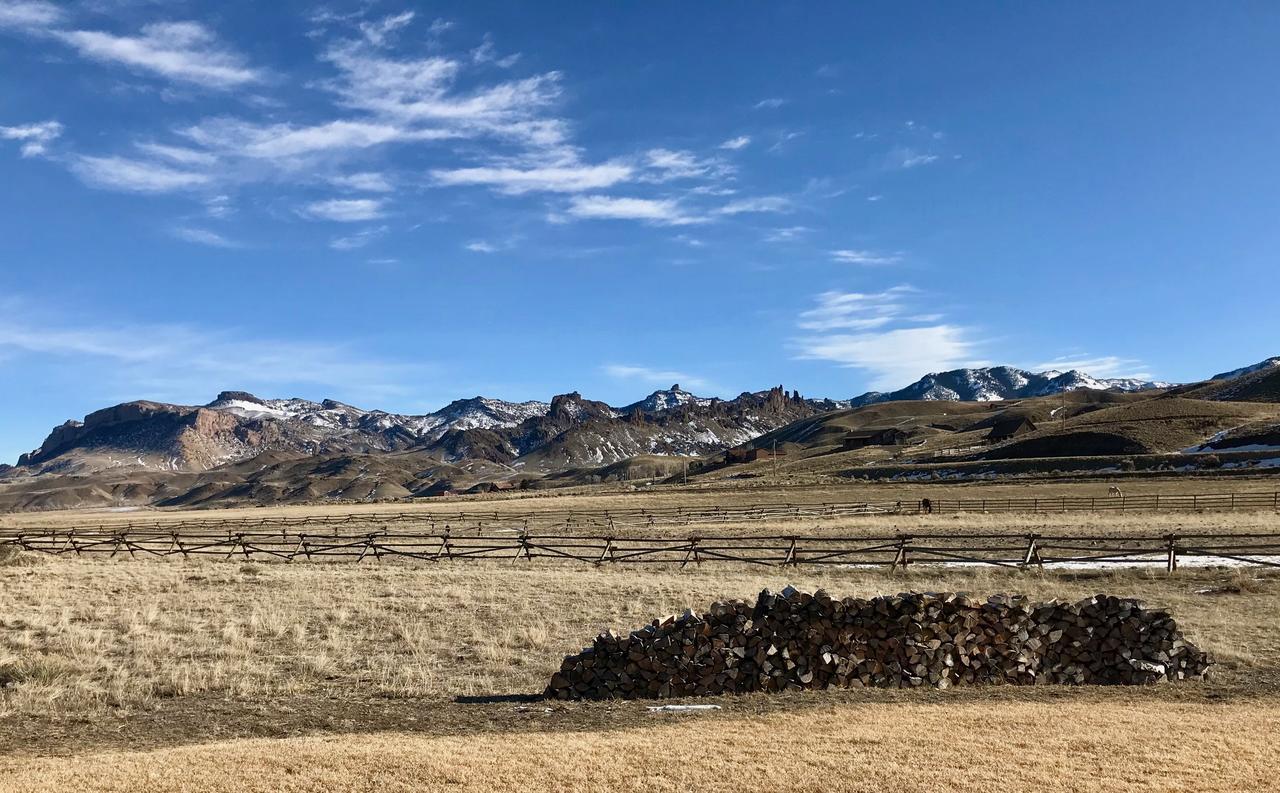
165 675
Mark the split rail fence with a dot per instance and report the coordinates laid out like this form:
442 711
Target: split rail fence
617 536
897 551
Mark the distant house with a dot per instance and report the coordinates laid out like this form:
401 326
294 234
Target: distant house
874 436
1007 428
750 455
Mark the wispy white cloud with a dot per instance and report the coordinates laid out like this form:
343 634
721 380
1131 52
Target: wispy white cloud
29 14
481 246
654 377
734 144
784 138
365 182
360 239
865 257
284 141
664 212
786 234
897 356
664 165
772 103
855 310
183 51
1098 366
136 176
219 207
188 363
177 154
488 53
906 157
380 31
758 204
878 332
345 210
552 179
35 138
203 237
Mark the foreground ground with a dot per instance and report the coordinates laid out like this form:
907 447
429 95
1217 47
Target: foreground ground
881 747
169 675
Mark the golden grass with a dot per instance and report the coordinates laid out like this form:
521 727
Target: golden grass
880 747
601 498
86 635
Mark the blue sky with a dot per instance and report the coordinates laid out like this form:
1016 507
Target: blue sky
397 204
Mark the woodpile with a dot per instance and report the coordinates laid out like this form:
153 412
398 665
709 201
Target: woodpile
795 640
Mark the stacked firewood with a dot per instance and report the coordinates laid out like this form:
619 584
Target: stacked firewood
795 640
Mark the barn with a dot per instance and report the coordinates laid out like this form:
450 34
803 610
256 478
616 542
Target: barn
1011 427
874 436
750 455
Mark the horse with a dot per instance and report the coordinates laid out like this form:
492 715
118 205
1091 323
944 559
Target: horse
1115 491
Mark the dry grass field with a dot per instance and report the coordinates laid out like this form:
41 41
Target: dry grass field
604 498
212 675
1074 746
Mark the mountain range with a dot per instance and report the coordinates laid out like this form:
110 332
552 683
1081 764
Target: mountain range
1001 382
239 436
567 431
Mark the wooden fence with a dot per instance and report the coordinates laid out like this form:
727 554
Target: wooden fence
639 518
896 551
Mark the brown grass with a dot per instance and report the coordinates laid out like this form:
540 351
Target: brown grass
885 747
86 635
604 498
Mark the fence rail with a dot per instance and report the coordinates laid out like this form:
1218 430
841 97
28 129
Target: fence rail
639 518
896 551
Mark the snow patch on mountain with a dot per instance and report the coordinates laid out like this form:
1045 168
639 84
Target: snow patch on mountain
1000 382
660 401
1269 363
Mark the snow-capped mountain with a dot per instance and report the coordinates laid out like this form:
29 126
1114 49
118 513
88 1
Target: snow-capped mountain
568 431
473 413
1269 363
673 397
1000 382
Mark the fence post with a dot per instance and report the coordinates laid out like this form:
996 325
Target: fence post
900 559
1033 553
1172 563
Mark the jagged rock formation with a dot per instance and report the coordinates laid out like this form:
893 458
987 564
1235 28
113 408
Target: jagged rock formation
568 431
796 640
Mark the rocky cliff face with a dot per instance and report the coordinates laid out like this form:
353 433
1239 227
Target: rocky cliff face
569 431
